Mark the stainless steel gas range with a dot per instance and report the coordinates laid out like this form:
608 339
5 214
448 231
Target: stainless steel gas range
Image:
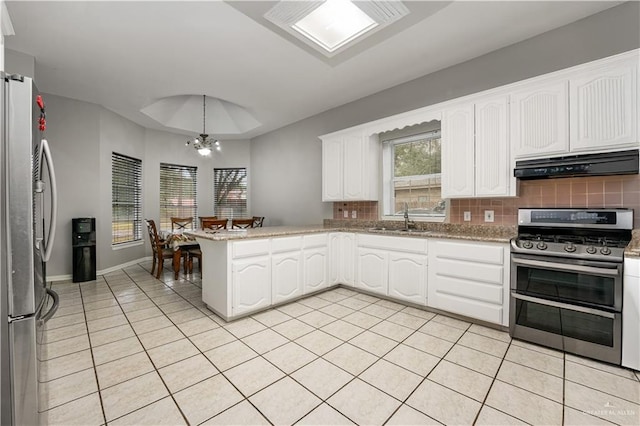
566 279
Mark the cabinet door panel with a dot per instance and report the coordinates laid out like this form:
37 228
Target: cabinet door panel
348 258
458 152
332 170
285 276
251 281
540 120
604 108
315 269
407 277
492 171
354 165
335 242
372 270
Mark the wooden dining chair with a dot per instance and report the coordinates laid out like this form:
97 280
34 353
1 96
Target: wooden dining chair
159 248
197 253
206 218
241 223
214 224
181 223
257 221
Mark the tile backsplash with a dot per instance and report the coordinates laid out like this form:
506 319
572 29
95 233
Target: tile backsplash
580 192
365 210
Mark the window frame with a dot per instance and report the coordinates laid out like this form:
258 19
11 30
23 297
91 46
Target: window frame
244 211
388 179
180 210
120 162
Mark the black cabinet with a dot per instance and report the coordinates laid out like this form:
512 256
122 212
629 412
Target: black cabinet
84 249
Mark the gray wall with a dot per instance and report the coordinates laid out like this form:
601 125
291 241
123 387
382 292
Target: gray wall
19 63
82 138
286 163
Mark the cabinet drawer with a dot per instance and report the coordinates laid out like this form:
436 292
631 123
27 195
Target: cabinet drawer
491 274
250 248
279 245
407 244
316 240
482 253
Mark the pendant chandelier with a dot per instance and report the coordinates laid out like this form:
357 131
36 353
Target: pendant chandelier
203 143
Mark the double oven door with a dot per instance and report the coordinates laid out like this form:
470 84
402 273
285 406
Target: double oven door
568 304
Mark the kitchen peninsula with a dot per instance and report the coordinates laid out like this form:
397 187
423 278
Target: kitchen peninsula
250 270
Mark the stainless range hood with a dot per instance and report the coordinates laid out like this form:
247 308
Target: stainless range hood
604 164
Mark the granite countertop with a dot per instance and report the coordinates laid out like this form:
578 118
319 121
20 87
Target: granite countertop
500 234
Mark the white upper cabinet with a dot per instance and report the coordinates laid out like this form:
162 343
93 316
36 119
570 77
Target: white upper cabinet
604 108
589 108
493 168
332 169
458 152
475 149
539 119
350 167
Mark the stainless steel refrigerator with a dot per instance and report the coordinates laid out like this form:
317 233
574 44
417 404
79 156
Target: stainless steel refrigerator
27 229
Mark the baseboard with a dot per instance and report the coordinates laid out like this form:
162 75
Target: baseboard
69 277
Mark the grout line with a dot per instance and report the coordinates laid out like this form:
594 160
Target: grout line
186 289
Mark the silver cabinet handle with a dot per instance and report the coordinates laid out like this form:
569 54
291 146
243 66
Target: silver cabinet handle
567 267
563 305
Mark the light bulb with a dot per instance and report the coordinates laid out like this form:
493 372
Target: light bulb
218 148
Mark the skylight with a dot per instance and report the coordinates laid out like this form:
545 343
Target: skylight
334 24
331 27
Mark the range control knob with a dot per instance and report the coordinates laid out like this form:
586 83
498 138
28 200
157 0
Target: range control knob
542 245
569 247
527 244
591 250
605 250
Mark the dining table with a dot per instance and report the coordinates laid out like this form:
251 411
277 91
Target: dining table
179 242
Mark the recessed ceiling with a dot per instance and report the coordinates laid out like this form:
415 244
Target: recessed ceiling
125 55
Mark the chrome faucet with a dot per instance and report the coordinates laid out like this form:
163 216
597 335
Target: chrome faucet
407 223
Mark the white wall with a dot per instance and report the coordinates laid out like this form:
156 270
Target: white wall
286 163
83 137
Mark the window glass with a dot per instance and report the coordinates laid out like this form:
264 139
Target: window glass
230 192
177 194
126 199
412 175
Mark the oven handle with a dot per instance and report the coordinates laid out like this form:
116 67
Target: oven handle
563 305
568 267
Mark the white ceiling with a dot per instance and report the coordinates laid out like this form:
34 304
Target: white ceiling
126 55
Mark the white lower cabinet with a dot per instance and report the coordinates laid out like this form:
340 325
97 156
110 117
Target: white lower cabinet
315 269
286 276
631 314
251 284
393 266
408 277
342 258
373 269
470 279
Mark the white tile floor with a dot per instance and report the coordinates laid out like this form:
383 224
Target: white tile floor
129 349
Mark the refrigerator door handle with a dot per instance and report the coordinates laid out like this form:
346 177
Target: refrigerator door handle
54 308
45 153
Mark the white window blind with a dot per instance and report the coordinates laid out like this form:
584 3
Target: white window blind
177 194
230 192
126 199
